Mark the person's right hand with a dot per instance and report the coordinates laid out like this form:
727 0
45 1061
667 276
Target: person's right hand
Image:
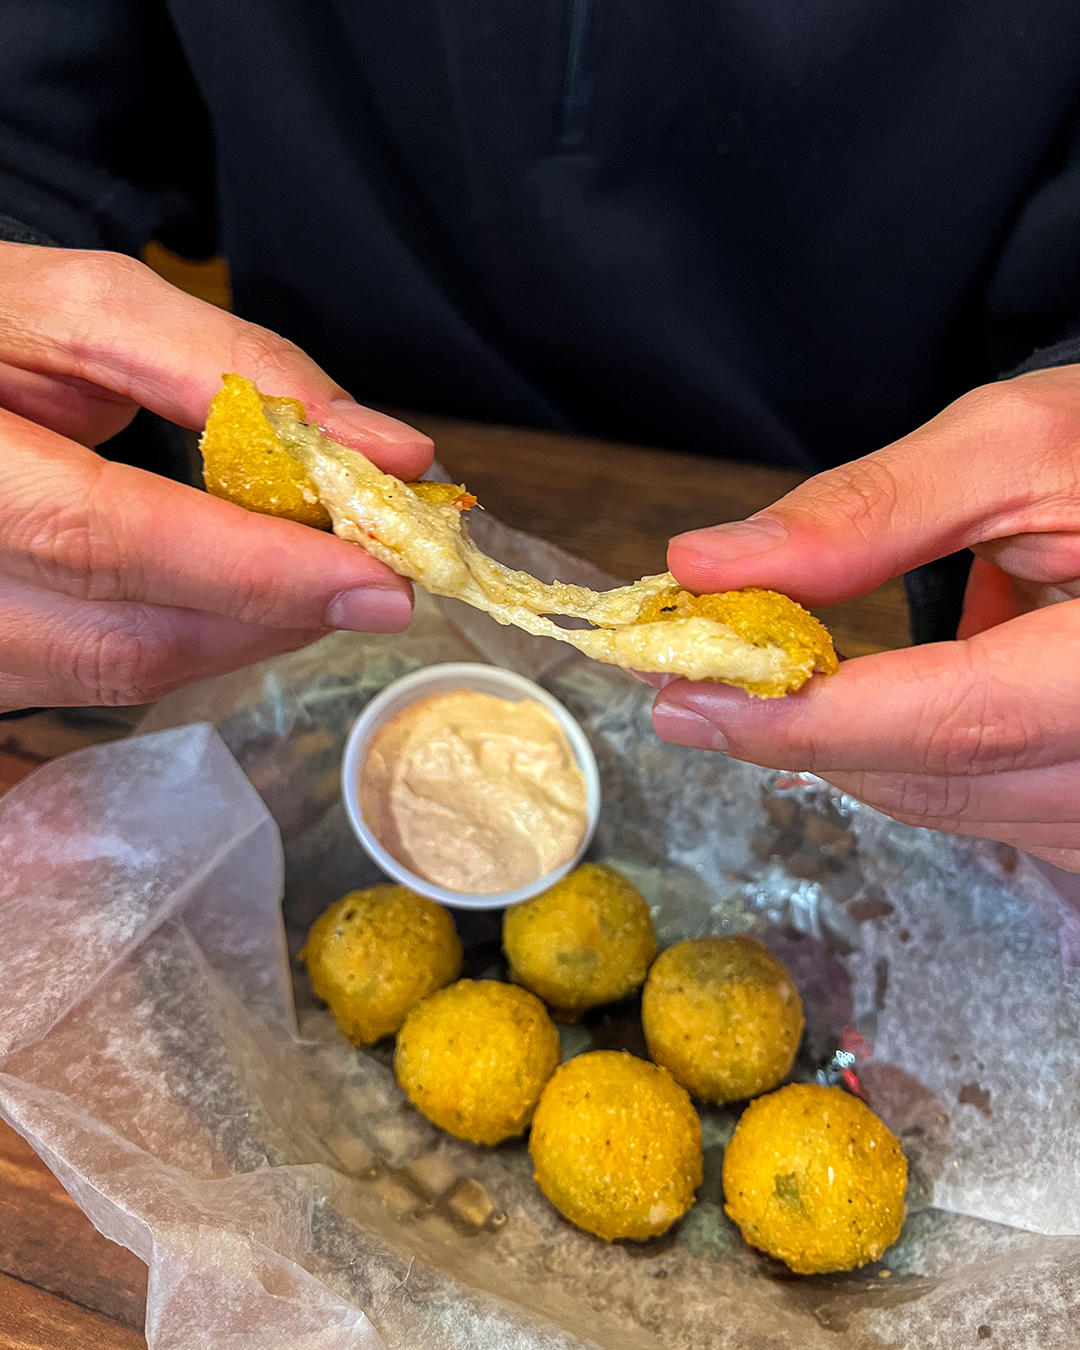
116 585
979 736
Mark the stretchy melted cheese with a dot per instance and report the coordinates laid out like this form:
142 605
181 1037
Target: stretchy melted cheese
261 453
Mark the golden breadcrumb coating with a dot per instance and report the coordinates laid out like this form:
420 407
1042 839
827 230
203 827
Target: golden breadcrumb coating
474 1057
616 1145
376 953
244 462
443 494
723 1015
765 618
586 940
813 1177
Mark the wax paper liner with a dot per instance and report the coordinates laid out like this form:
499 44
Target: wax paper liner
282 1192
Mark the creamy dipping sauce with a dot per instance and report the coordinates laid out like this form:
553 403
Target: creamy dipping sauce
474 793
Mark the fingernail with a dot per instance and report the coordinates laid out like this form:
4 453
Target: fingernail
388 430
370 609
740 539
680 726
652 679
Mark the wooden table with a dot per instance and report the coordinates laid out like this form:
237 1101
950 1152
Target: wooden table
62 1285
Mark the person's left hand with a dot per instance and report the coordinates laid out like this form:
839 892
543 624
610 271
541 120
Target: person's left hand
979 736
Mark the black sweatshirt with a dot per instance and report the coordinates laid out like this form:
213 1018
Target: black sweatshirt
780 230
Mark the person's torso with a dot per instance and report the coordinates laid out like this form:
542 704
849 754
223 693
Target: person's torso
769 230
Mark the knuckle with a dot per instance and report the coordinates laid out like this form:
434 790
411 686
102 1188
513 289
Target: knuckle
120 663
59 547
72 545
1027 409
256 596
803 750
253 607
917 799
84 279
983 404
982 729
268 358
864 494
84 290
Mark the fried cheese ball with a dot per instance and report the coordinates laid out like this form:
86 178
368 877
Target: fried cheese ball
722 1014
813 1177
244 462
616 1145
586 940
473 1058
765 618
376 953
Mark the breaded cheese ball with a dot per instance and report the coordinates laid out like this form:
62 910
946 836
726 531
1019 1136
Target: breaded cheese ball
474 1057
722 1014
813 1177
764 618
244 462
376 953
586 940
616 1145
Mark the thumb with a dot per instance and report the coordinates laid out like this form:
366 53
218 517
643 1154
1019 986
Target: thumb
967 476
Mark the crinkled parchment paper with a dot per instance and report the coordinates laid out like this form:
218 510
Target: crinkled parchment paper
283 1194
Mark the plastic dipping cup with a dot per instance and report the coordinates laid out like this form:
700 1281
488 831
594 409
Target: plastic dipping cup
439 680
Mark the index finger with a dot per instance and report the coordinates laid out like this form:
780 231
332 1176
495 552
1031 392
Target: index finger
999 462
980 706
107 319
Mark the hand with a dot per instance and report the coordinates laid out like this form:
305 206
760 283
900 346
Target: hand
116 585
979 736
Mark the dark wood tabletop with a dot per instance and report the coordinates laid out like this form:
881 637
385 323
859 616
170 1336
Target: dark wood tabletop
62 1285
